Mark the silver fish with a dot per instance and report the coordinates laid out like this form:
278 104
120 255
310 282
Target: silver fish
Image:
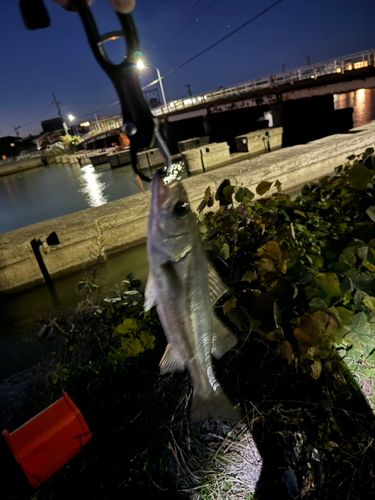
185 287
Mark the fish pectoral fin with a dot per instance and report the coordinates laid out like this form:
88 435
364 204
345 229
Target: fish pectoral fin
216 287
150 292
222 340
171 361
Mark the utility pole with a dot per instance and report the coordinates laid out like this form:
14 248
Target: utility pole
283 67
308 59
16 130
189 90
60 114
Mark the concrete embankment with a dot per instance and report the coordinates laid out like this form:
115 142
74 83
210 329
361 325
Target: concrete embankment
80 238
19 166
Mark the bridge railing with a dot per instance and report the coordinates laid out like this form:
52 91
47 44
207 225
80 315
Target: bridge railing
339 65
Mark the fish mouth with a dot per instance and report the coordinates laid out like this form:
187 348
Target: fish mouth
162 193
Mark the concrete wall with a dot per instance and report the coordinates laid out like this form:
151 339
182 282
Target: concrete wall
202 158
85 235
19 166
258 141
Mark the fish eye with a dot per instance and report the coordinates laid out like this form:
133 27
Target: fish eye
181 209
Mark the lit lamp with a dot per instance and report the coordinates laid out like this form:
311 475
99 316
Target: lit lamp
141 65
71 118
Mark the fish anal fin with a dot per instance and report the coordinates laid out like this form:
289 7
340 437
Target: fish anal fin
216 287
222 340
150 292
171 361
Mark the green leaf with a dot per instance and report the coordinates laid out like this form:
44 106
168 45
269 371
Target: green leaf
278 186
263 187
371 213
360 335
301 274
358 297
328 287
345 315
348 256
347 285
225 251
369 302
127 326
229 304
363 282
359 176
243 194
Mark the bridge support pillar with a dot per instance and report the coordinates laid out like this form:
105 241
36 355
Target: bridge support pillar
277 115
207 125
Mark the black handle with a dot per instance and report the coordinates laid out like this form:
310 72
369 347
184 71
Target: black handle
138 119
34 13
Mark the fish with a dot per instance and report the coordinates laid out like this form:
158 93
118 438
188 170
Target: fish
185 286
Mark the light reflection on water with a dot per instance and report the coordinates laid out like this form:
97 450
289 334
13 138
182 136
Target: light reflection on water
92 187
363 103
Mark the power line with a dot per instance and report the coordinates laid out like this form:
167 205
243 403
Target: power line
205 10
214 44
183 15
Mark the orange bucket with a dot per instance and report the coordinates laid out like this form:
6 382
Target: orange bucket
49 440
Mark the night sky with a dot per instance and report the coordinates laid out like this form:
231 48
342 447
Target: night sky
58 59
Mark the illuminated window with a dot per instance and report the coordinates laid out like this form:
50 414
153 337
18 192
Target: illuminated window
12 144
360 64
348 67
4 157
338 70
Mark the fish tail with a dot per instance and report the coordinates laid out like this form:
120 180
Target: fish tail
214 406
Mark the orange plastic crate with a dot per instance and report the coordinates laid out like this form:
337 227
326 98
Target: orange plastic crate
49 440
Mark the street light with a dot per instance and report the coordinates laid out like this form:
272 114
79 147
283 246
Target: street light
142 65
71 118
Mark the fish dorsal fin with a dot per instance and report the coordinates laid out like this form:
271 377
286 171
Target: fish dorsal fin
171 361
222 339
216 287
150 292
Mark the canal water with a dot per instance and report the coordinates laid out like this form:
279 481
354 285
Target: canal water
46 192
18 311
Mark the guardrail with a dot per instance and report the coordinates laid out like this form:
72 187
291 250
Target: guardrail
339 65
35 154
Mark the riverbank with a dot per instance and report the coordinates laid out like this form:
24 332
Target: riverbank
70 242
297 323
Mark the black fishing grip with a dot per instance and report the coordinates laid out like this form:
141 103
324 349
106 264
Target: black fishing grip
139 122
34 14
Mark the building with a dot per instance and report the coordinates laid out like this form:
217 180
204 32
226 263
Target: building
106 123
11 146
52 131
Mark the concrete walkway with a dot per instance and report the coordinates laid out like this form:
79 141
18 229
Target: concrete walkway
86 235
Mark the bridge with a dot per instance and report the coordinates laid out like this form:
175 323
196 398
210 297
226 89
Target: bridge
327 77
299 100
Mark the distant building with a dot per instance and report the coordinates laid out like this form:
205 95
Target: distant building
52 131
11 146
52 125
106 123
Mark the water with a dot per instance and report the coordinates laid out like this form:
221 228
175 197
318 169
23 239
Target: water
46 192
17 354
363 103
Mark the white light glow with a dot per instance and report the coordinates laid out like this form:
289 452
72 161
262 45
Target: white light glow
71 117
140 65
174 172
92 187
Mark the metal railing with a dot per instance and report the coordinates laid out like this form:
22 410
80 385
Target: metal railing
339 65
35 154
